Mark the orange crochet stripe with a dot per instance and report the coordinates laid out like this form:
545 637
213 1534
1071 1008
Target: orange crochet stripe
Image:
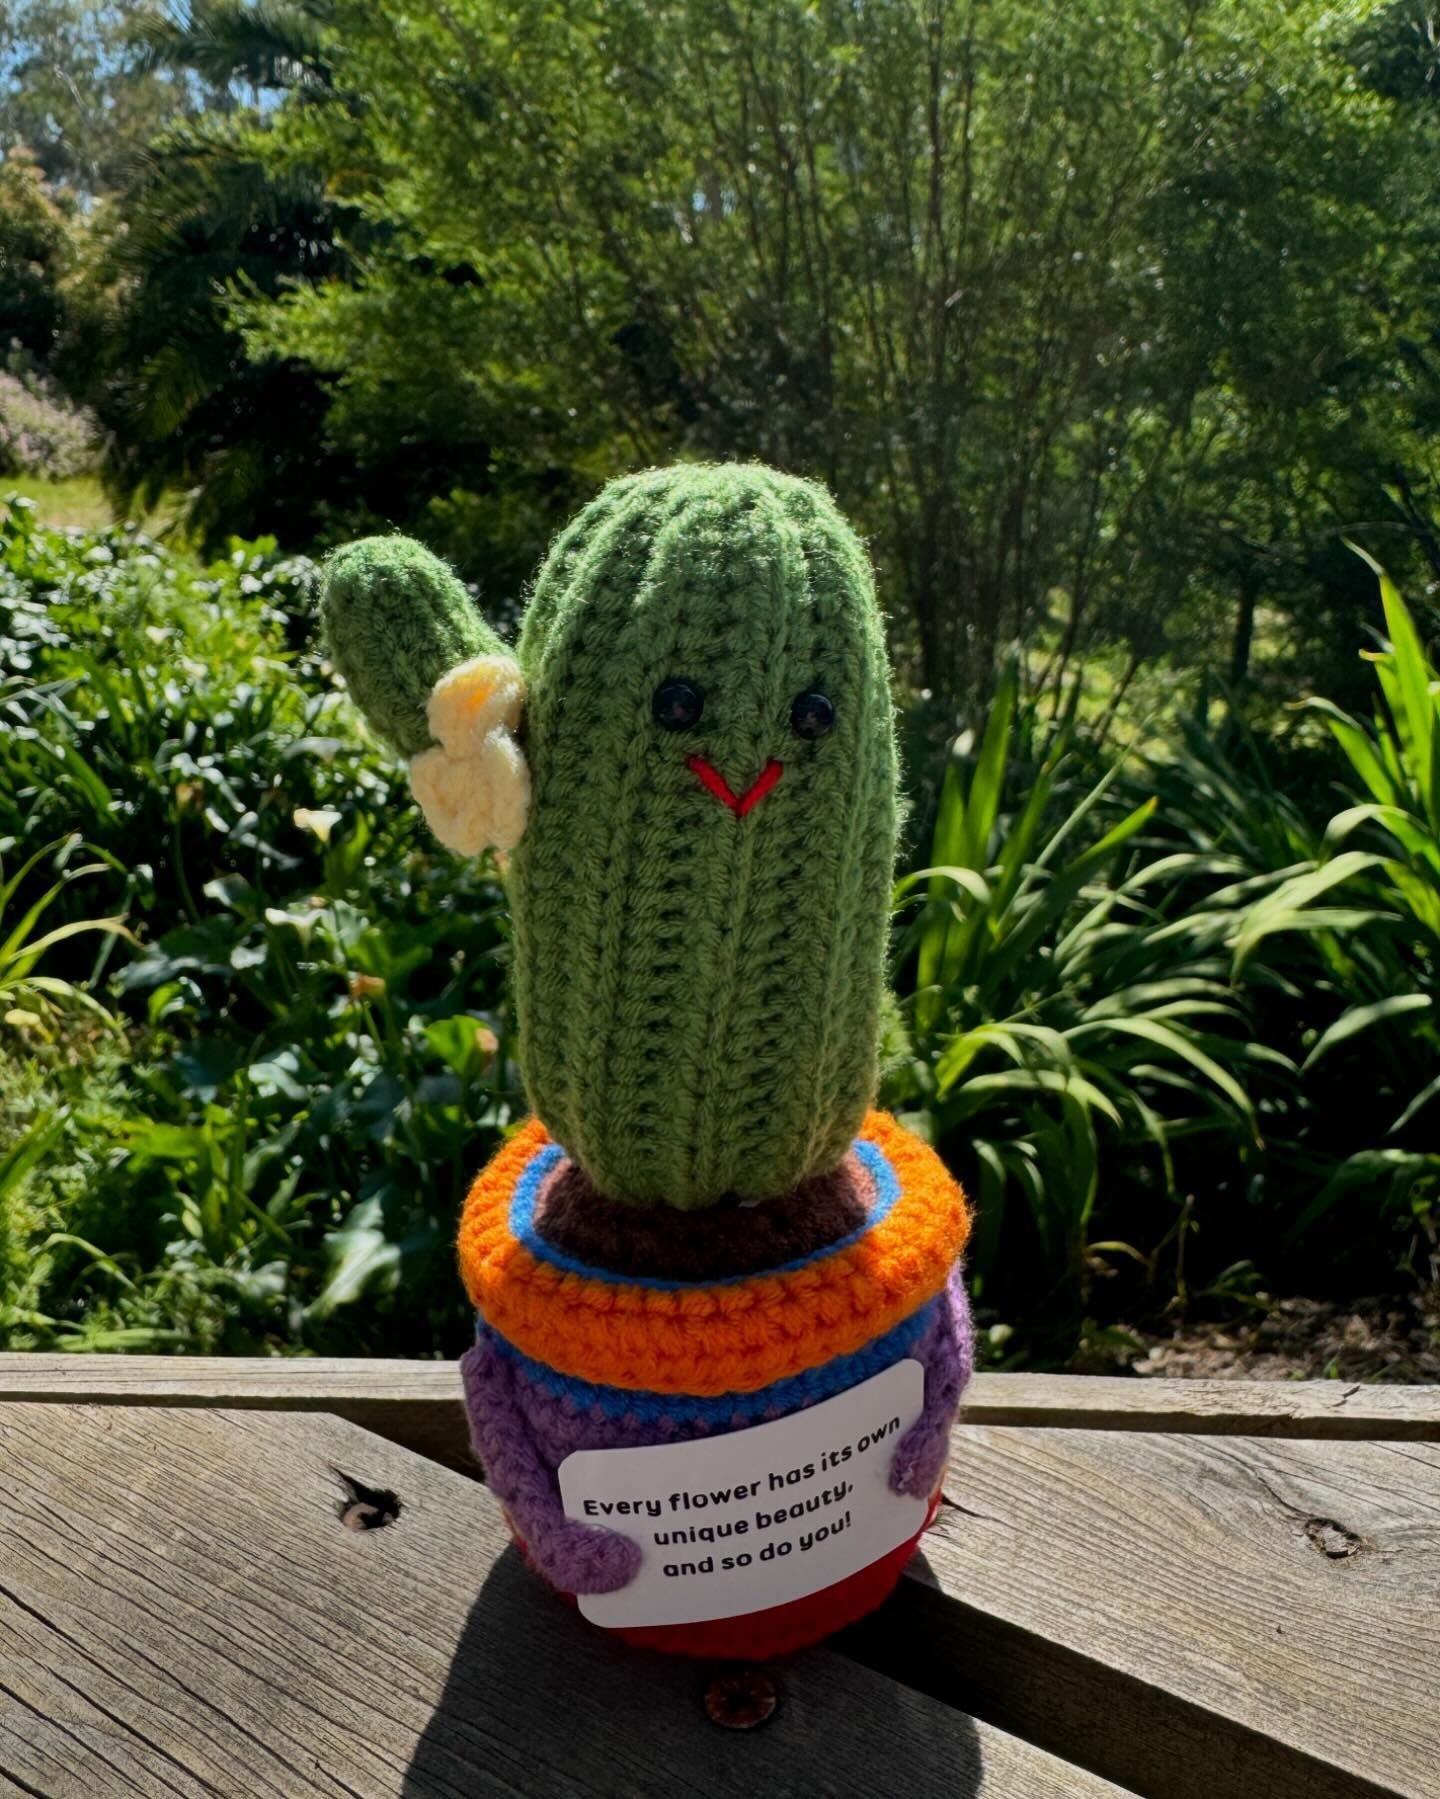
727 1337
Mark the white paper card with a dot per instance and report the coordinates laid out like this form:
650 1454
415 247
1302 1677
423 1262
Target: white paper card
733 1524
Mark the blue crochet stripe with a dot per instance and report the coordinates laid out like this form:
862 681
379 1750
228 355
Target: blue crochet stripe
729 1411
527 1191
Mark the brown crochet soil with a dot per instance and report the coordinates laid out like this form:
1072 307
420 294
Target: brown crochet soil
1382 1339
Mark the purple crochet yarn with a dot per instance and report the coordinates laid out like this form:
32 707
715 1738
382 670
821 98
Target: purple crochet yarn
522 1431
576 1558
949 1357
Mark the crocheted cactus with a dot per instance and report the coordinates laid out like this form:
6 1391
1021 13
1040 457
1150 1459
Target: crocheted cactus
690 755
700 886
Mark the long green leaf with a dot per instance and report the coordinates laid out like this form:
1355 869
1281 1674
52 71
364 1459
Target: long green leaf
1285 909
1429 1091
1361 1018
982 1088
983 803
970 880
1178 1045
22 1158
1418 706
1359 750
1054 898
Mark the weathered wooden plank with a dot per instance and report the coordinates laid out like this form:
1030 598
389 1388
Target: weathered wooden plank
1332 1410
1195 1615
413 1403
182 1613
416 1403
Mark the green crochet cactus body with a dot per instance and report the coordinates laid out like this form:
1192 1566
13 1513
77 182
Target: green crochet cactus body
698 991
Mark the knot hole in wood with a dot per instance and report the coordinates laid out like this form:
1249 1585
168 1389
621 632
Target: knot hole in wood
365 1508
1333 1540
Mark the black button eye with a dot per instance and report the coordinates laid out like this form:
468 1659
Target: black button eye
677 705
811 715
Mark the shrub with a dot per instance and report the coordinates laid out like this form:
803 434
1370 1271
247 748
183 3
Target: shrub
1158 1014
41 433
1165 1001
314 1055
1365 911
1071 1023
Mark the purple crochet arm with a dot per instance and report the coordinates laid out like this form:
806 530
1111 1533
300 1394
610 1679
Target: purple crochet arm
576 1558
948 1357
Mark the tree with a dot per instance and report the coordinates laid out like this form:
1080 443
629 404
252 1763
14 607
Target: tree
154 350
1029 292
36 252
76 92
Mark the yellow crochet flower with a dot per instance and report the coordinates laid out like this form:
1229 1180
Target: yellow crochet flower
473 784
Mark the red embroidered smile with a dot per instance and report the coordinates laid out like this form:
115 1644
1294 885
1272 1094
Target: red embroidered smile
712 778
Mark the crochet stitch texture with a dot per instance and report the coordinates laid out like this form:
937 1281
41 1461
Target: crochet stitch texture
698 984
690 758
730 1335
699 992
395 619
573 1356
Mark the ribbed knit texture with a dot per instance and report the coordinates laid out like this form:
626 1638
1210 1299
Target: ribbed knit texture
704 1226
698 986
730 1335
699 992
661 1243
395 619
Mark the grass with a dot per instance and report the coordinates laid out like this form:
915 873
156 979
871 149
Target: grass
79 502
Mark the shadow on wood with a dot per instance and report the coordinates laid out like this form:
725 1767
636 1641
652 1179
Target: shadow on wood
829 1739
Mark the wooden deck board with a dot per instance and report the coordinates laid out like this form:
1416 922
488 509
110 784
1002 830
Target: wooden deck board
1198 1616
1188 1612
182 1613
417 1403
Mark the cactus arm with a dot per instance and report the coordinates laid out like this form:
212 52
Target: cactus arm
395 620
436 682
576 1558
919 1460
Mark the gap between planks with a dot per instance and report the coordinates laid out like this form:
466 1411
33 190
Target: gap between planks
181 1613
1175 1611
1194 1616
416 1404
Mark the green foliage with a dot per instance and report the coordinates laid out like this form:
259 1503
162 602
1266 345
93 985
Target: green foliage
311 1052
279 45
151 349
1157 1012
1104 327
35 256
74 93
1106 324
1068 1019
1367 907
32 998
1156 1001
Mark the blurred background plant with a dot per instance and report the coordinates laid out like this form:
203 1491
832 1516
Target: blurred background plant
295 1070
1159 1014
1112 331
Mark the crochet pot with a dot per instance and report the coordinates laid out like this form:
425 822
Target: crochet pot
690 761
603 1330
